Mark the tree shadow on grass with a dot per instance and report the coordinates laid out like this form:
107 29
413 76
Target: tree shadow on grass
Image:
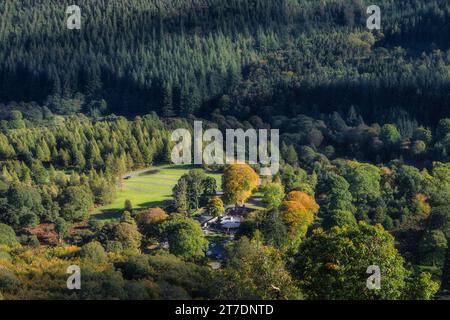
182 166
155 204
108 214
116 214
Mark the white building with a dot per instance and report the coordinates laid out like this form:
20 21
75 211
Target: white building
230 222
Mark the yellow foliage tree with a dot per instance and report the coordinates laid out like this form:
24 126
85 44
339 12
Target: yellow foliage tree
298 213
421 205
306 200
238 182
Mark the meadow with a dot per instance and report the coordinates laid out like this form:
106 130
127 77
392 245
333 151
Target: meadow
147 189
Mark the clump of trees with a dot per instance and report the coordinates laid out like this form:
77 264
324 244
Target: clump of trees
333 264
193 191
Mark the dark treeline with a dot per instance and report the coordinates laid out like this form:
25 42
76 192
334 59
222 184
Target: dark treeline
188 57
365 142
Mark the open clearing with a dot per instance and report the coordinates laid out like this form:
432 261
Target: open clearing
151 188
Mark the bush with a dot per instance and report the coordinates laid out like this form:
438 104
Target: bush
29 240
29 220
5 256
96 225
113 246
136 291
136 267
127 234
94 252
8 280
34 241
7 235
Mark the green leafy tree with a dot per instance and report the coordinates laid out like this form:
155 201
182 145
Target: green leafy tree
333 264
75 203
337 207
364 181
128 206
421 286
443 129
273 195
390 136
62 228
291 178
289 154
16 121
94 252
181 195
7 235
433 248
209 189
125 233
185 237
22 200
274 230
190 189
439 219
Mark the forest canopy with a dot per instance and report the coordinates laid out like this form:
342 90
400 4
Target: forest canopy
86 117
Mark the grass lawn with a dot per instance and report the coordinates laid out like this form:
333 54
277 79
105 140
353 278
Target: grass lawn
147 190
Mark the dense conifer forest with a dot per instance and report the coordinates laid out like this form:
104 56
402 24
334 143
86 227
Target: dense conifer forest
364 120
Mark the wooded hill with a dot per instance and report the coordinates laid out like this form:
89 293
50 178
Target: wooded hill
185 57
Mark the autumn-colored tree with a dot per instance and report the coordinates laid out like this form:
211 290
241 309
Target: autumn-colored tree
306 200
298 212
421 205
239 182
297 218
149 220
215 207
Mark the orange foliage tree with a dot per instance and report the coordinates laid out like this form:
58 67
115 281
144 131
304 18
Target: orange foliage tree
306 200
298 212
421 205
149 220
238 182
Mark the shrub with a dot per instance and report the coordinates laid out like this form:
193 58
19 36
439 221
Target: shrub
29 220
94 252
113 246
7 235
8 280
